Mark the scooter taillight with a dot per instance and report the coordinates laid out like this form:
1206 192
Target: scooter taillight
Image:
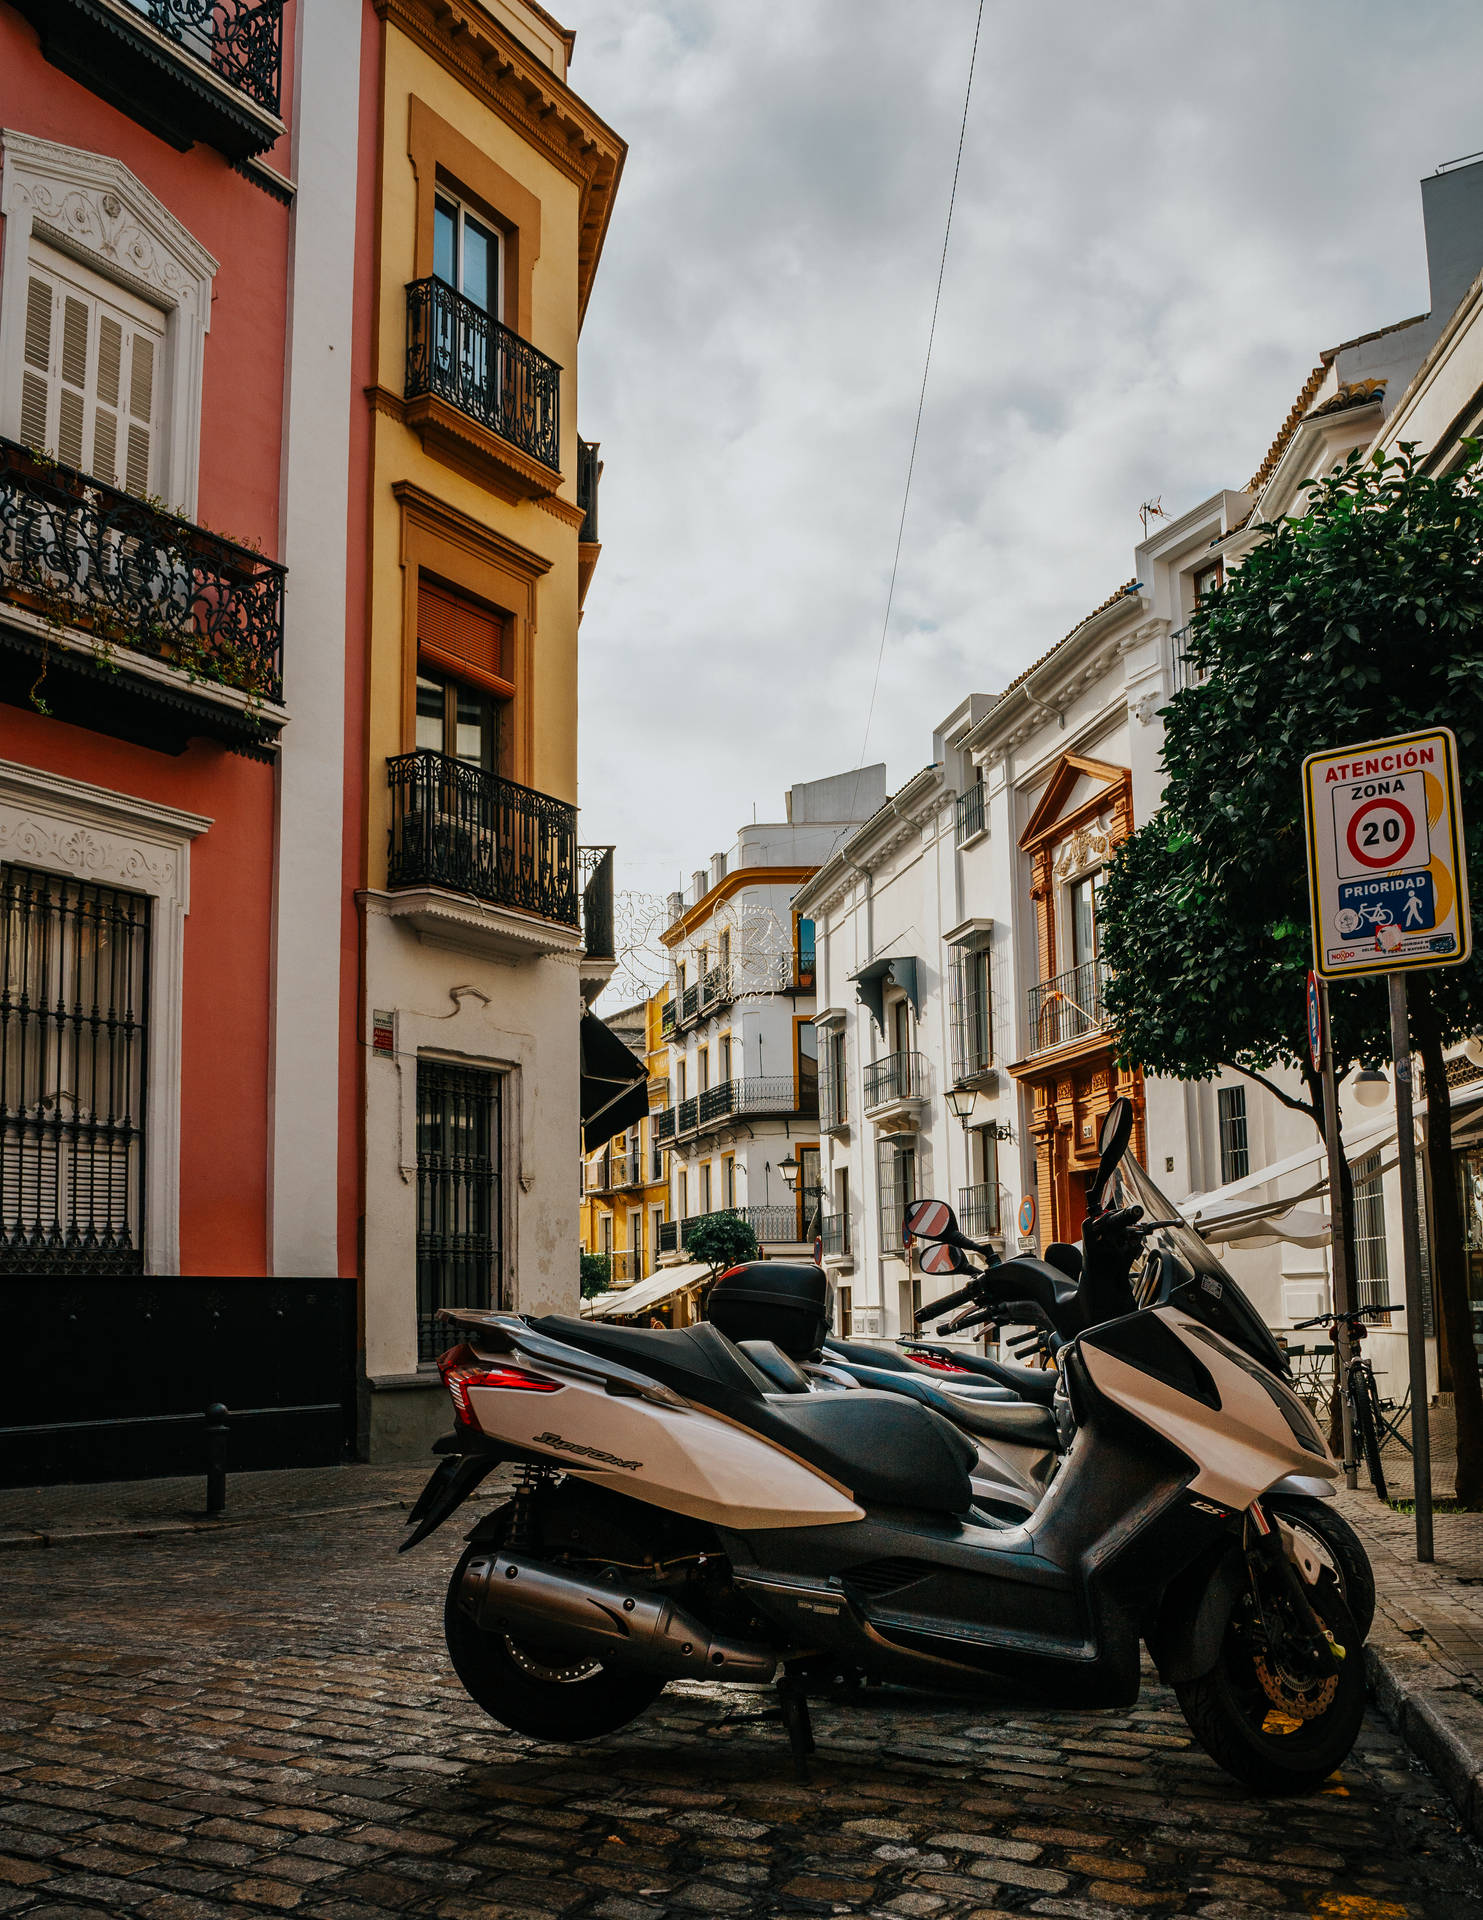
461 1369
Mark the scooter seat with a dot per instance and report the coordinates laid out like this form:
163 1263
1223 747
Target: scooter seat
1011 1420
785 1375
886 1450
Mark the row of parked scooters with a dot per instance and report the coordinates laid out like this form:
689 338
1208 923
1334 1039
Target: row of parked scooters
752 1501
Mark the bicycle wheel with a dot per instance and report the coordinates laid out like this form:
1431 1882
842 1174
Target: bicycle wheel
1365 1402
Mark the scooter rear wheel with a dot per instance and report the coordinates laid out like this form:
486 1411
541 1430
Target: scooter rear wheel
536 1689
1278 1735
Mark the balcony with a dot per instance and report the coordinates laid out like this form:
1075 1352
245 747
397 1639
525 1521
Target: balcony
187 70
457 829
132 620
662 1125
589 473
1068 1007
596 865
622 1266
834 1113
896 1089
480 395
611 1171
1183 672
979 1212
667 1021
971 819
834 1232
773 1226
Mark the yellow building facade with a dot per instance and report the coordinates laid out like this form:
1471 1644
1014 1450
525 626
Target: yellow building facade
625 1185
482 925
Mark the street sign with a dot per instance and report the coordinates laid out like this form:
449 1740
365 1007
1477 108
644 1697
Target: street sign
1387 865
1026 1221
1315 1022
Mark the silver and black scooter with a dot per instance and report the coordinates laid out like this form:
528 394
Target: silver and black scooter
677 1518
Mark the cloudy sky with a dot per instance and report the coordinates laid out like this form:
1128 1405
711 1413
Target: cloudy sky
1166 210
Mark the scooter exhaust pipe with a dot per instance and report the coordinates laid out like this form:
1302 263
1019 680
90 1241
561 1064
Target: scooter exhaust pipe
627 1626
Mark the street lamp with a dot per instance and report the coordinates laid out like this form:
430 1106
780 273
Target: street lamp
961 1102
789 1170
1371 1087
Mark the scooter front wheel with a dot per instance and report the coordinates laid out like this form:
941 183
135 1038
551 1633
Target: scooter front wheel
1279 1728
536 1689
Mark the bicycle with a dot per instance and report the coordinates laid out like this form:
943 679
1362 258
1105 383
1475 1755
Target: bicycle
1368 1421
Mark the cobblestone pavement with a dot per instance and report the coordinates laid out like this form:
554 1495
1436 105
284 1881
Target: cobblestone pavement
203 1727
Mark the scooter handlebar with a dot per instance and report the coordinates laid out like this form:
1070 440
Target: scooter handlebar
939 1307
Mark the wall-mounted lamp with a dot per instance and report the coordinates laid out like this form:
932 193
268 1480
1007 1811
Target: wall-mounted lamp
1371 1087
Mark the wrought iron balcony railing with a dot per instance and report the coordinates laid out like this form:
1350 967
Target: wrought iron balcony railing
1067 1007
685 1117
454 825
597 901
834 1231
667 1020
622 1266
662 1125
773 1226
833 1104
1182 670
589 473
459 353
761 1094
83 555
669 1236
611 1170
978 1211
899 1076
970 812
240 40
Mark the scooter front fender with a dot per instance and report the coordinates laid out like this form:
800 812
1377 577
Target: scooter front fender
1185 1640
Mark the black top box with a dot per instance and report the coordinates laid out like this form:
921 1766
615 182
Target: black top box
790 1302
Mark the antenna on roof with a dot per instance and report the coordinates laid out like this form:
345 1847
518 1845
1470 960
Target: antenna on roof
1460 162
1152 510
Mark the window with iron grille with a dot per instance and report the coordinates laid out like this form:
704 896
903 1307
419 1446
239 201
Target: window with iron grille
74 986
1235 1151
460 1242
1371 1271
896 1181
973 1047
833 1087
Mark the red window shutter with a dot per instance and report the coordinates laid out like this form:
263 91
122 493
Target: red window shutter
460 636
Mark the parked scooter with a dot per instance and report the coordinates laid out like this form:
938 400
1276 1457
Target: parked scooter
679 1518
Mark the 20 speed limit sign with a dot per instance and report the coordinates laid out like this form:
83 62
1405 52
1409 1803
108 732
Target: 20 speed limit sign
1387 866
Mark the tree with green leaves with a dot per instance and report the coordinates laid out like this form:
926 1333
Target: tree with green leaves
596 1273
1359 618
721 1240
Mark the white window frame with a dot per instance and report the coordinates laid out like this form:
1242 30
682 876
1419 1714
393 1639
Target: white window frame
91 833
91 207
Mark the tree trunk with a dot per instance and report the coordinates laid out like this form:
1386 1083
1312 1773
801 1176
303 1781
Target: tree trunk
1449 1257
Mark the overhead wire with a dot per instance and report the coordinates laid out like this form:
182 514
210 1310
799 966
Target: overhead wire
916 433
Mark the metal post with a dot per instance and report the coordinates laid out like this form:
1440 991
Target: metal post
1405 1133
216 1457
1338 1250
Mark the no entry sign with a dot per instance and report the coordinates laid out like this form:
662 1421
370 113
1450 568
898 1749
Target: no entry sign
1387 868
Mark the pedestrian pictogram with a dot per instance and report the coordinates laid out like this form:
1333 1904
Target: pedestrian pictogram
1387 870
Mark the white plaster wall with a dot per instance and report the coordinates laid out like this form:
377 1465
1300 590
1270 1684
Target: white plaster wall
520 1018
309 901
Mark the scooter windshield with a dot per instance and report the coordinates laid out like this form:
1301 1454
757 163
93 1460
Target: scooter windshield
1181 1271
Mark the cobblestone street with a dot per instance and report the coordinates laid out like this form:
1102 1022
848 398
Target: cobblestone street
264 1721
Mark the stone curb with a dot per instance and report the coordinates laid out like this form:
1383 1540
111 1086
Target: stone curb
1439 1720
161 1529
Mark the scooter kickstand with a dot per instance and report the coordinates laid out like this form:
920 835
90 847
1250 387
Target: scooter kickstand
793 1706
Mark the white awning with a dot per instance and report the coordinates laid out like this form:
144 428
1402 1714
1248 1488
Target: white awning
618 1303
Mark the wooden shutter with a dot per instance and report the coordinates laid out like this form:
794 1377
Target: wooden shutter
462 637
88 380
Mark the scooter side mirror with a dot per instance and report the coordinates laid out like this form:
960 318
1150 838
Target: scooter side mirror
1112 1144
930 1220
942 1259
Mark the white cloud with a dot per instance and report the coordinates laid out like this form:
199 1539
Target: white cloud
1165 212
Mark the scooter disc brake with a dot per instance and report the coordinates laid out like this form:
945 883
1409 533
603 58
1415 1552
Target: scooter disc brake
1290 1697
535 1668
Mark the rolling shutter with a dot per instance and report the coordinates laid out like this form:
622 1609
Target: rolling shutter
90 372
463 637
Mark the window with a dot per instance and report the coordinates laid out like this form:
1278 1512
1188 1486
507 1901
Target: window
466 254
636 1240
972 1045
605 1234
970 811
1372 1273
705 1187
896 1180
725 959
833 1089
656 1156
725 1057
845 1296
459 1195
684 1194
702 1069
1206 580
899 1014
463 691
810 1192
90 391
728 1182
656 1223
1085 933
682 1080
1235 1152
806 1043
803 952
74 972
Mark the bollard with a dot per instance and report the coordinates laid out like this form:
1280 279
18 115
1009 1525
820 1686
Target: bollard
216 1458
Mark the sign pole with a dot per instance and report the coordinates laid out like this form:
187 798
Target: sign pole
1405 1130
1338 1245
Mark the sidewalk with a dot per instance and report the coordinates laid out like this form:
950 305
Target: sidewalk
1425 1649
142 1509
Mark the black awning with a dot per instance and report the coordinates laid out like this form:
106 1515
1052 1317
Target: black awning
615 1084
870 984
